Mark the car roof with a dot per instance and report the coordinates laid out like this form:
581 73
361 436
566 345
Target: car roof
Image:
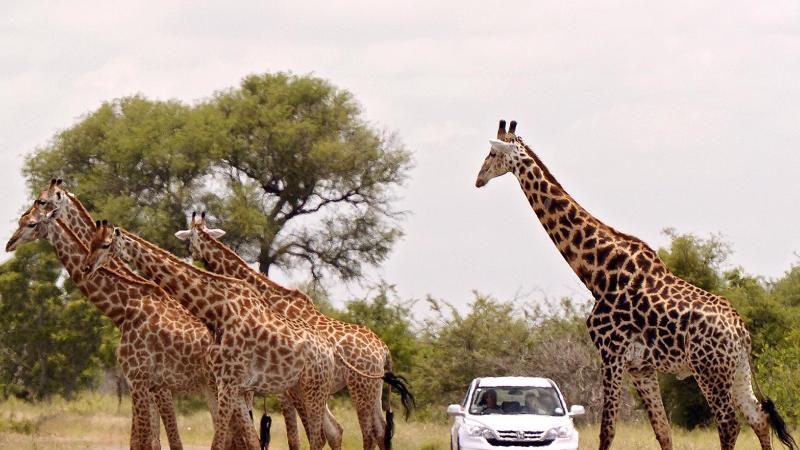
515 381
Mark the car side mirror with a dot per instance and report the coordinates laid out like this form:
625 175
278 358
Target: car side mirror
454 410
576 410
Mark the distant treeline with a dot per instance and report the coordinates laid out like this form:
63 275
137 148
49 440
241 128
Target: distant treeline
54 342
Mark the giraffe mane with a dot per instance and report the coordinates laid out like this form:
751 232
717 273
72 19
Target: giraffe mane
169 256
552 179
84 213
133 279
232 254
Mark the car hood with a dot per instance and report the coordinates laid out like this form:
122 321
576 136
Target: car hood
522 422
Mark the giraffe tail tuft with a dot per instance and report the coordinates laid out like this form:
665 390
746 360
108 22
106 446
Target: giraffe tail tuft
778 424
266 423
400 384
389 430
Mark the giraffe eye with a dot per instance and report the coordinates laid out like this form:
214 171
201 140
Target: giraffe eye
32 225
41 202
106 246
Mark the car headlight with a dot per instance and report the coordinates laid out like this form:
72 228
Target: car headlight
478 430
561 432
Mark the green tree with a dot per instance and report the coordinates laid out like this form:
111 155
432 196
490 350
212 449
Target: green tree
287 163
133 161
306 179
51 336
390 320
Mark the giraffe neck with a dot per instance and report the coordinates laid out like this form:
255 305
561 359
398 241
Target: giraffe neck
221 259
107 290
591 248
78 219
204 294
80 222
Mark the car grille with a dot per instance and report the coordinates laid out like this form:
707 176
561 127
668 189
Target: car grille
502 443
514 438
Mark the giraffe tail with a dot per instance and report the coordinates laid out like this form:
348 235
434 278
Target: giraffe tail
400 384
388 432
778 424
775 420
406 397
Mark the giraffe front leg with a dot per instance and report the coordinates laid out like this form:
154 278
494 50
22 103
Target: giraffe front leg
612 386
166 408
155 423
141 434
646 384
289 413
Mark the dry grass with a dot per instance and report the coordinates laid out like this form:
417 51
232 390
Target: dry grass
94 421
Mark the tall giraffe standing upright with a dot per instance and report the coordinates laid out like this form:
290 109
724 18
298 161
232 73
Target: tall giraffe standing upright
255 349
645 318
162 347
363 358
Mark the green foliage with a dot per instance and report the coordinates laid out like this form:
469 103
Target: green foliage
779 369
787 289
51 336
696 260
287 163
388 319
503 338
133 161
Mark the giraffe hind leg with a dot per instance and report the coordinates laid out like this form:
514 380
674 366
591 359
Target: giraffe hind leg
718 390
366 397
612 387
166 408
747 403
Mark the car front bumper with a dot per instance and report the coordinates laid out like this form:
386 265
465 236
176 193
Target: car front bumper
479 443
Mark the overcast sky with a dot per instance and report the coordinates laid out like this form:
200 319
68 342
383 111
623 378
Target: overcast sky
650 114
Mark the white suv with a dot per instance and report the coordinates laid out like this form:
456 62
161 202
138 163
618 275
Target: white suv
503 412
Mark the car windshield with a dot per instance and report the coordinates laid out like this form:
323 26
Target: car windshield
541 401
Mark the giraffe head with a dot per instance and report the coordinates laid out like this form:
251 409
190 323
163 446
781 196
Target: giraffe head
506 151
32 225
106 243
193 236
55 196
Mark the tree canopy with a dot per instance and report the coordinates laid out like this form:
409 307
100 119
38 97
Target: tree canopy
287 164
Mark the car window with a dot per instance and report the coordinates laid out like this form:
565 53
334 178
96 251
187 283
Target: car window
542 401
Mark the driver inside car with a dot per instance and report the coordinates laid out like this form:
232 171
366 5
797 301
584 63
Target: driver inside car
489 400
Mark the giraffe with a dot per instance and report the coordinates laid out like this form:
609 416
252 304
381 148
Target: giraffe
81 223
645 319
255 350
363 358
161 345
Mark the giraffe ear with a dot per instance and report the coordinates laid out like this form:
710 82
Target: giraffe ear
183 235
500 146
216 233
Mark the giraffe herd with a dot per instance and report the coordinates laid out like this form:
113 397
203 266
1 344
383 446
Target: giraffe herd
188 330
228 332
